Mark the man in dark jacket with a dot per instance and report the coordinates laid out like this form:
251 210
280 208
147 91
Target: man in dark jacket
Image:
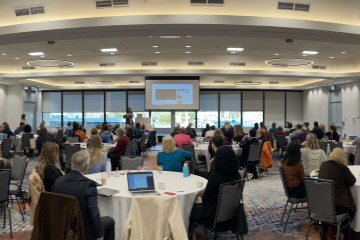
77 185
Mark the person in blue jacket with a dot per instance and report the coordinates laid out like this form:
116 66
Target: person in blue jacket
171 158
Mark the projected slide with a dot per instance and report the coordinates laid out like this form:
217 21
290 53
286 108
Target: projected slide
165 94
252 117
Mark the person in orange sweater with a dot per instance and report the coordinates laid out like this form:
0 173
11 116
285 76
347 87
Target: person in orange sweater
293 170
80 133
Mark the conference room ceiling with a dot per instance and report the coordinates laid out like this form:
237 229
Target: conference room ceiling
136 57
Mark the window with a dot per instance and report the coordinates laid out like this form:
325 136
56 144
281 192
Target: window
161 119
252 117
93 108
275 108
230 108
72 107
208 112
183 118
136 101
115 108
51 112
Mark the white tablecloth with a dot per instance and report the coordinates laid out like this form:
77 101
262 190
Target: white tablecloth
118 205
355 191
107 146
348 147
203 149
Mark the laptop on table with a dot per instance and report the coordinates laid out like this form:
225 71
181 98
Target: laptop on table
141 183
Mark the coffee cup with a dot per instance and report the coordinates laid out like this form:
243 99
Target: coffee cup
103 178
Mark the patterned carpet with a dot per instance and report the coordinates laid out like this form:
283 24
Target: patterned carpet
264 203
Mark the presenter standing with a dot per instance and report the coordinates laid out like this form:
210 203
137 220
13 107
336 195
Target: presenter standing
129 118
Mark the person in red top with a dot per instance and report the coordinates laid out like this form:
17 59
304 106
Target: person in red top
80 133
119 149
181 138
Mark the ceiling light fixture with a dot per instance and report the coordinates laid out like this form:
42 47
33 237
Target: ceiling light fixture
189 36
4 54
276 54
343 52
42 56
69 55
331 57
304 55
36 54
170 37
289 62
232 52
188 46
309 52
17 58
155 46
108 50
51 63
187 52
112 53
157 52
234 49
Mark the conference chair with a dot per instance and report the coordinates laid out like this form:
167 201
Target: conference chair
4 195
254 157
323 146
73 139
335 145
290 200
25 139
321 203
17 176
281 142
131 163
70 150
6 148
60 134
128 149
229 214
196 167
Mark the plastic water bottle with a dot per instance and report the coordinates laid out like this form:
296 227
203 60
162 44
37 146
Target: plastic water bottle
108 167
185 170
328 150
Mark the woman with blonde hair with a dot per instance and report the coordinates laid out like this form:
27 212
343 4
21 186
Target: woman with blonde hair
98 158
335 169
312 156
170 157
238 133
47 168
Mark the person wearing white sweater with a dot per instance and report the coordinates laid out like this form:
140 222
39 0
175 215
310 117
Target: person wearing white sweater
312 156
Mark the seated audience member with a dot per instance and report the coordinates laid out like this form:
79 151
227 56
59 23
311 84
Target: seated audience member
228 134
323 128
20 129
47 169
207 128
223 128
273 129
98 158
105 131
216 142
171 158
262 125
1 127
148 128
306 125
98 127
27 131
42 135
238 133
302 136
67 129
80 133
42 124
245 145
211 132
332 134
51 137
189 132
175 131
256 126
119 150
141 132
136 128
84 189
288 126
279 131
319 133
335 169
312 156
298 130
75 128
262 135
130 133
316 126
192 130
293 170
7 130
217 133
225 169
116 127
181 138
94 131
23 118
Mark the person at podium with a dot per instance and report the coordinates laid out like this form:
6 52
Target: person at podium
129 116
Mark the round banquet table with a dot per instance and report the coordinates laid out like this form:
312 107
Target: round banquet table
203 149
118 205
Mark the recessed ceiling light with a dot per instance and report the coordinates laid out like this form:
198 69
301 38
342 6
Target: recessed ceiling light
155 46
150 36
170 37
4 54
36 53
187 52
276 54
331 57
69 55
304 55
157 52
42 56
108 50
310 52
343 52
189 36
234 49
17 58
232 52
188 46
112 53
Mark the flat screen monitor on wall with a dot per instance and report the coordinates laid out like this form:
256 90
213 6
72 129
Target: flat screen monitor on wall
172 94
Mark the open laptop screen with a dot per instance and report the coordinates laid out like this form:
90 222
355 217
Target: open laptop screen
140 181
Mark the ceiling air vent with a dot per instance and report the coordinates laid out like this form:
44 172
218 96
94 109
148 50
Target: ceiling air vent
302 7
218 2
111 3
119 3
273 82
207 2
219 81
134 81
107 64
79 82
104 4
319 67
148 64
195 63
237 64
29 10
198 1
28 67
285 5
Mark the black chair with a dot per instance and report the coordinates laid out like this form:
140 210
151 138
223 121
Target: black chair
151 139
254 157
60 134
321 202
25 139
229 210
335 145
6 148
70 150
281 142
4 195
196 167
73 139
290 200
323 146
18 173
13 140
128 149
